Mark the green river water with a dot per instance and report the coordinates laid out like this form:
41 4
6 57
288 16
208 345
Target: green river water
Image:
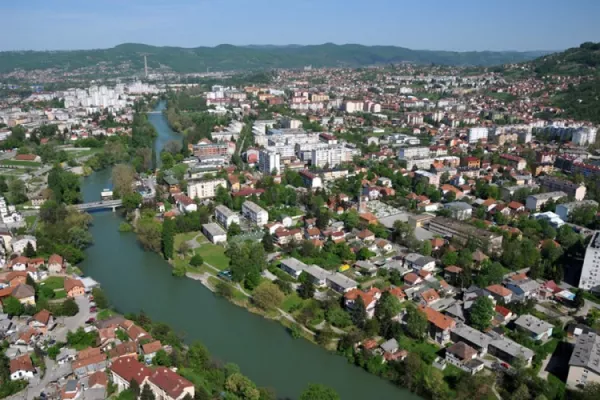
136 280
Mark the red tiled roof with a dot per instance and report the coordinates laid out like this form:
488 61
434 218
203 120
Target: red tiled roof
72 283
367 297
129 368
152 347
22 363
42 317
169 381
499 290
437 318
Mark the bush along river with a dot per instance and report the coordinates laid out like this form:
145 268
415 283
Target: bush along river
137 280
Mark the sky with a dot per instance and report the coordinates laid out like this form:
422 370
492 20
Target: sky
461 25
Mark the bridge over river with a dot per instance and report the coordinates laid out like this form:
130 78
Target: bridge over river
100 205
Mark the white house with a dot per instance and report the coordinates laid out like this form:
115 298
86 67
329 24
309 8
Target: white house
21 368
21 242
214 233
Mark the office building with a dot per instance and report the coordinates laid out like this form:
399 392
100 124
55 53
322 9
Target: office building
590 272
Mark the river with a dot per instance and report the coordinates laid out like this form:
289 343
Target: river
136 280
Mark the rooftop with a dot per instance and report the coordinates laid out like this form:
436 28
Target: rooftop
587 352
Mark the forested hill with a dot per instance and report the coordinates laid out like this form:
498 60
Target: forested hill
582 60
227 57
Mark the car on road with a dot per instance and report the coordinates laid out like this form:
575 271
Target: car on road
90 320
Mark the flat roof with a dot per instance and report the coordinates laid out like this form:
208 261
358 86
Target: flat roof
214 229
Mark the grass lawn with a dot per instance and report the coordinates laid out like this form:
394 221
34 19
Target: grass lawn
54 282
292 302
104 314
213 255
183 237
21 163
427 351
60 294
30 219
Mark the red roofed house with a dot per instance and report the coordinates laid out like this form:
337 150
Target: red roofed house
125 369
150 349
499 292
439 324
55 264
168 385
369 299
74 287
21 368
41 321
412 279
429 297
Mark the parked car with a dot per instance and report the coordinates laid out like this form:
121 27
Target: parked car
90 320
93 309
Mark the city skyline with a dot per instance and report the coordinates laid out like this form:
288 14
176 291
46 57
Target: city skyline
432 25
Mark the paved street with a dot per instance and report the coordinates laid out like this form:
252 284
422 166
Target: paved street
67 324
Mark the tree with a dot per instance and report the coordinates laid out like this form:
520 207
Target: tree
69 308
183 249
591 391
134 386
522 393
123 177
198 357
242 387
162 358
233 230
168 238
306 290
319 392
267 296
450 258
147 393
29 250
267 242
196 260
482 313
578 301
131 201
13 306
358 313
100 298
416 322
387 307
224 290
426 248
17 192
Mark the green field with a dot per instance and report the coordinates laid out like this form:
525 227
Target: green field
54 282
21 163
213 255
60 294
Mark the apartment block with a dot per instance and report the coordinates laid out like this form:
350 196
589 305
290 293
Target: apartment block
584 364
255 213
572 189
269 161
205 188
477 134
536 201
225 217
590 272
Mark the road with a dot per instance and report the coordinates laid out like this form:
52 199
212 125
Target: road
67 324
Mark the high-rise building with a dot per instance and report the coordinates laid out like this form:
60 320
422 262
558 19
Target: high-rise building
269 161
590 272
477 134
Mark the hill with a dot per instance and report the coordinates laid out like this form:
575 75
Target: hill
577 61
228 57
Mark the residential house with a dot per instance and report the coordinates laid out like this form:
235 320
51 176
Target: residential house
366 235
89 361
464 357
55 264
429 296
471 336
522 286
439 325
74 287
536 328
125 369
584 364
420 262
369 299
150 349
123 350
391 351
168 385
500 293
21 368
25 294
41 321
293 266
508 350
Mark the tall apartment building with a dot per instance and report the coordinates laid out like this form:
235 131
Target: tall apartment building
584 136
584 364
575 190
225 217
269 161
464 232
411 153
590 272
477 134
204 188
255 213
353 106
332 155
